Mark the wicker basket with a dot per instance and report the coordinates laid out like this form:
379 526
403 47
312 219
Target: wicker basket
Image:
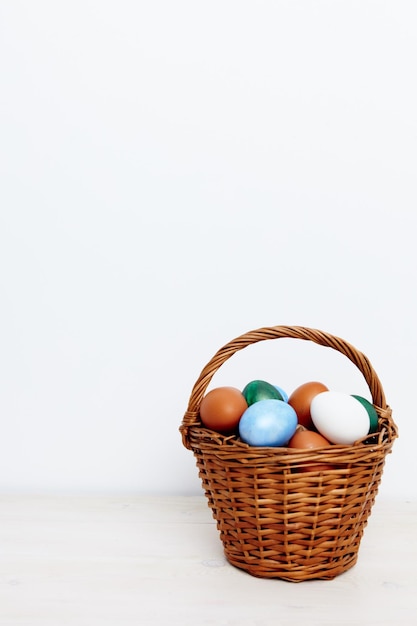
275 521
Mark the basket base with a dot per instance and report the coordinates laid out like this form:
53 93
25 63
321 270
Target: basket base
258 569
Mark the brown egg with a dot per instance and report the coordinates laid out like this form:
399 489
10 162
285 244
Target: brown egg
305 439
221 409
301 398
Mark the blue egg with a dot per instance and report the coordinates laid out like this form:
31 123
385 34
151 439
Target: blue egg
268 423
283 393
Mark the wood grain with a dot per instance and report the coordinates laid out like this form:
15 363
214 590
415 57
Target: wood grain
110 561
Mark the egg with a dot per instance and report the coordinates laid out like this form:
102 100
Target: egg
310 440
284 394
373 415
268 423
339 417
301 398
221 409
260 390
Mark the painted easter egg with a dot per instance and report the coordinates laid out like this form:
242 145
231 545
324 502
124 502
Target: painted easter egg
339 417
268 423
283 393
260 390
373 415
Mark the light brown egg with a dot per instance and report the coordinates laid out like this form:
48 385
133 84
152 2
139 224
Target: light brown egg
301 398
221 409
305 439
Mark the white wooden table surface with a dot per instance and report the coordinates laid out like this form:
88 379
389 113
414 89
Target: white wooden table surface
121 561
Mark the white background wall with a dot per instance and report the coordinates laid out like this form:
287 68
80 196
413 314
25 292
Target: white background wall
174 174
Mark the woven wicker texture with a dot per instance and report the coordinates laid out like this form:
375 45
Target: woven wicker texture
274 520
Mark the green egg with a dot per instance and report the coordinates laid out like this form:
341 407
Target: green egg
373 415
260 390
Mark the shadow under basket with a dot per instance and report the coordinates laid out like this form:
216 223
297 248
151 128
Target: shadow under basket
284 513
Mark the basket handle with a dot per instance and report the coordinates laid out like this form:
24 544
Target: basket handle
191 416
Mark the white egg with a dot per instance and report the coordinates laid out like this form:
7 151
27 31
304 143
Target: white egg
339 417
